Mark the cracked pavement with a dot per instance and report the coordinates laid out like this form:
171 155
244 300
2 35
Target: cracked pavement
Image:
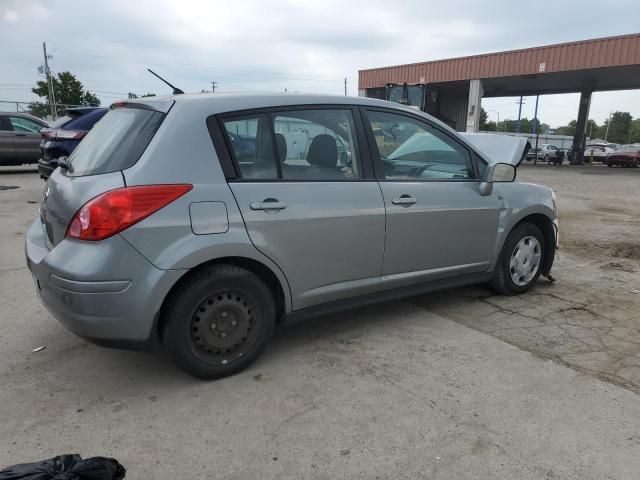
589 318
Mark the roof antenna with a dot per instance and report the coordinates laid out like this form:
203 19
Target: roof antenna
176 91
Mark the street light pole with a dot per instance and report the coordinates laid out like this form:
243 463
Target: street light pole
498 114
608 123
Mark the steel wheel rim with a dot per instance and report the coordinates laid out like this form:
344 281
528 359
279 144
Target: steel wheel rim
525 261
223 328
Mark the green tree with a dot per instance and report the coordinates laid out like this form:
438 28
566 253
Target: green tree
525 125
619 127
634 134
483 119
68 90
569 129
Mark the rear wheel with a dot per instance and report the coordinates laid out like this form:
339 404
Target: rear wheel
218 321
519 263
546 158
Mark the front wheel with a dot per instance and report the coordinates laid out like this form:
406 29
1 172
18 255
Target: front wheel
546 158
519 263
218 321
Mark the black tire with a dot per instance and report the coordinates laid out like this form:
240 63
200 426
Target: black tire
546 158
502 281
218 321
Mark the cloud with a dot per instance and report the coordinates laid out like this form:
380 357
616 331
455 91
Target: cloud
276 44
8 15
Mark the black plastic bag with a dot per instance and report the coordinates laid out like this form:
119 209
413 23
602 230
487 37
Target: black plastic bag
66 467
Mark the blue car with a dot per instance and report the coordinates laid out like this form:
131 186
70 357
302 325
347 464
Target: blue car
64 135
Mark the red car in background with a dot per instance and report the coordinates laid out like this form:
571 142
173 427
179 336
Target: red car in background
625 156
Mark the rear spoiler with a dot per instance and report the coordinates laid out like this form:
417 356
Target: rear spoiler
162 105
499 148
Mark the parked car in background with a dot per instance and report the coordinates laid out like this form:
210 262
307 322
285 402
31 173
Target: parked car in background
600 151
19 138
164 227
625 156
547 153
63 136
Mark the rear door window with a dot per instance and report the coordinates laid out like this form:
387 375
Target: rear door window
21 124
299 145
116 142
316 144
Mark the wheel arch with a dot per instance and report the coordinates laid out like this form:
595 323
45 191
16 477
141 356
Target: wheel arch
267 275
545 224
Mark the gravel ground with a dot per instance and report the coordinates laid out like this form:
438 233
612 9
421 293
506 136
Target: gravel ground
461 384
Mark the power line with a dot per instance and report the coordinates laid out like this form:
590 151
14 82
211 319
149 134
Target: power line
305 77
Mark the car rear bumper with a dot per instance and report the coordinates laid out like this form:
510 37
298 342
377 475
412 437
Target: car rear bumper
105 292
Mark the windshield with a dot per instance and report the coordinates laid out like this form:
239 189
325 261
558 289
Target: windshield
420 142
115 142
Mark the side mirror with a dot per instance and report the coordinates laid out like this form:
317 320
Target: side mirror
496 172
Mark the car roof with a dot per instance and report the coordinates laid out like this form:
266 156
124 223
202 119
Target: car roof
25 115
221 102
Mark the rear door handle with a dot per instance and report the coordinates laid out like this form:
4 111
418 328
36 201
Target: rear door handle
404 200
269 204
20 134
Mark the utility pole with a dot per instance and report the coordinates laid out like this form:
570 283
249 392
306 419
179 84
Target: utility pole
534 128
520 102
49 82
213 86
608 123
345 86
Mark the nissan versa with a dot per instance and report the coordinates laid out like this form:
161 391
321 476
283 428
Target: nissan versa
200 222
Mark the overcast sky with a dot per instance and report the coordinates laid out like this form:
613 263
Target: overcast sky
304 45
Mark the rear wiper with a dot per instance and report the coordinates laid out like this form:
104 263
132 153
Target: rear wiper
64 164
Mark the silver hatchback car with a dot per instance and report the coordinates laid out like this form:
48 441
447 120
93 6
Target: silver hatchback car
200 222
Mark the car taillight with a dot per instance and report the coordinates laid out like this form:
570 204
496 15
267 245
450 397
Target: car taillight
70 134
116 210
57 134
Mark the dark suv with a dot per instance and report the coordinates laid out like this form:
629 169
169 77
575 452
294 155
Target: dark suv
64 135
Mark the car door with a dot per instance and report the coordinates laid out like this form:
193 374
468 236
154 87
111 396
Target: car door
7 150
437 224
308 200
26 138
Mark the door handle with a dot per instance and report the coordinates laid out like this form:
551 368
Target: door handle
20 134
269 204
404 200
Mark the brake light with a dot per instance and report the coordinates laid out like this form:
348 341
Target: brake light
117 210
58 134
70 134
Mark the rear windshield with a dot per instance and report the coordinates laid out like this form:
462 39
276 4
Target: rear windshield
60 121
86 121
115 143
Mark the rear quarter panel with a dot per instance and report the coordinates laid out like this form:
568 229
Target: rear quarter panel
182 152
